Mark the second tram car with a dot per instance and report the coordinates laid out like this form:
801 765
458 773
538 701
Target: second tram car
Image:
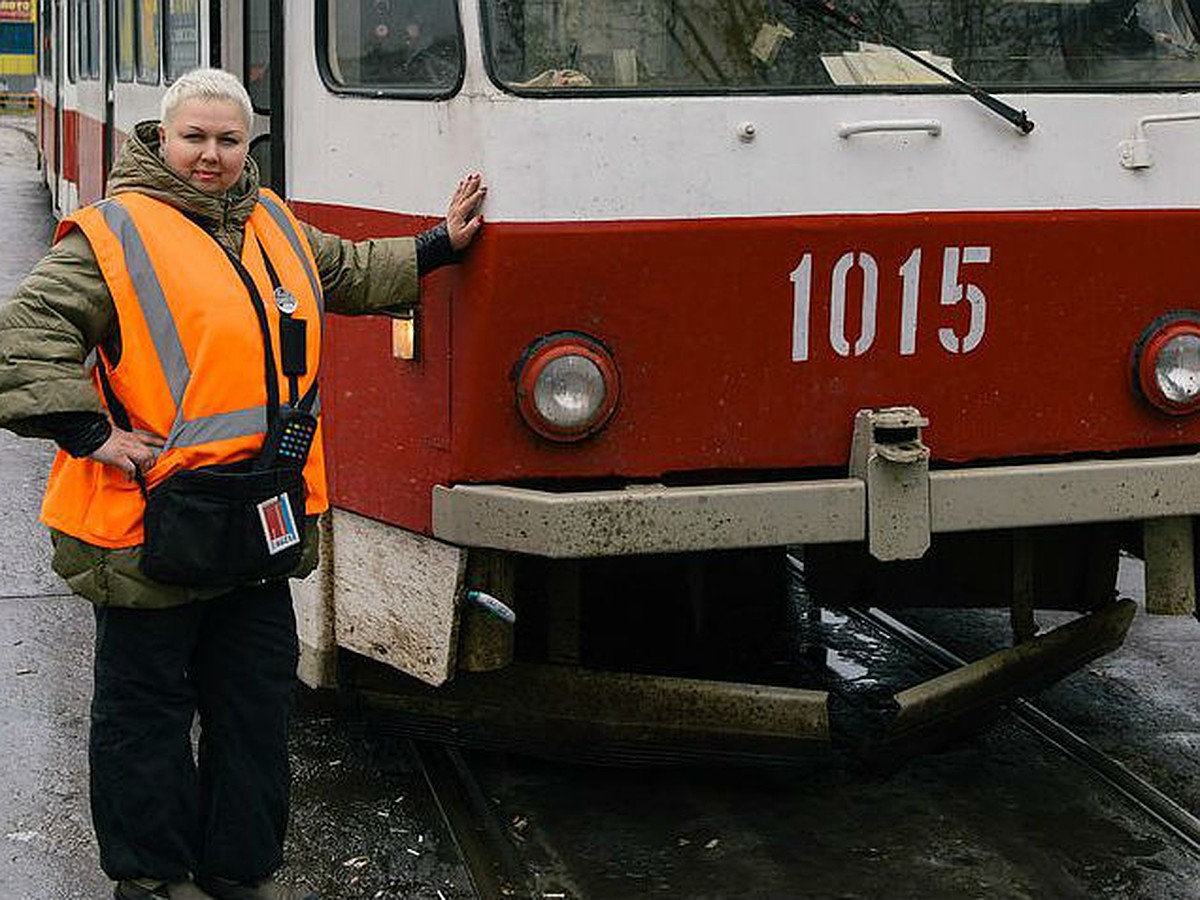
903 289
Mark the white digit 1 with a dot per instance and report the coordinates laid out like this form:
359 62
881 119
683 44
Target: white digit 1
911 273
952 292
801 300
837 304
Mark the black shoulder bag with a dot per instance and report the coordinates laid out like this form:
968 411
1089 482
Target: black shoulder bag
237 523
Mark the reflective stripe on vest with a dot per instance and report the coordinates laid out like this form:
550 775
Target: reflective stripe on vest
272 206
184 313
150 295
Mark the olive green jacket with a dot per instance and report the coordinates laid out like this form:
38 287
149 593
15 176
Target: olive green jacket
63 310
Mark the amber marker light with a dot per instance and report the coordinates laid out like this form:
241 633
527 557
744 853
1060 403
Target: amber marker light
1167 363
567 386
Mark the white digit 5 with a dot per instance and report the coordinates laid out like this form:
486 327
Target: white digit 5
953 291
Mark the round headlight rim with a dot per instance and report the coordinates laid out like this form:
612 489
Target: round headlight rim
1150 344
533 362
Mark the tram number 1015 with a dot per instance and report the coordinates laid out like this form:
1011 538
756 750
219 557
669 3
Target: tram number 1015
954 291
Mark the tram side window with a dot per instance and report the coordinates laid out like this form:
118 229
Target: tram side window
71 41
402 46
257 76
83 57
126 19
93 41
149 21
182 37
696 45
46 44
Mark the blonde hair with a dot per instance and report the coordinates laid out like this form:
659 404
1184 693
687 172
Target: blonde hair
207 84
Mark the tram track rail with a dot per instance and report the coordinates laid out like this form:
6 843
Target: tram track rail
1165 811
497 868
492 862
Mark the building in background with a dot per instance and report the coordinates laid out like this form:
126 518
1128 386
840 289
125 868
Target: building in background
18 60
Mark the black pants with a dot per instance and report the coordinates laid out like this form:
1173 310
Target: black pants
158 810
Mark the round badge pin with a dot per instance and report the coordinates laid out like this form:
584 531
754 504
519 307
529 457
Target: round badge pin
285 301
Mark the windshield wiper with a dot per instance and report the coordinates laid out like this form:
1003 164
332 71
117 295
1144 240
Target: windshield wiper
851 26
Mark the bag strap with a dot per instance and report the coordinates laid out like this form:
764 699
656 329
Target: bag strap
260 311
306 402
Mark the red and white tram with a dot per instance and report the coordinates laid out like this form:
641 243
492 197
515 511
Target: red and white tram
752 279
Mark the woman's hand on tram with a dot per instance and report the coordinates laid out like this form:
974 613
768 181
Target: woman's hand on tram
130 451
463 219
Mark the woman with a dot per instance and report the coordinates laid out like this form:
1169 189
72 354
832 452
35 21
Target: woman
164 282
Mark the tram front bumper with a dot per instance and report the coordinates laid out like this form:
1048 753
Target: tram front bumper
661 519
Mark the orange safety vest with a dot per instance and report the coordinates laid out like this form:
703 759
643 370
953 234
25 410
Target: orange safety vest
192 366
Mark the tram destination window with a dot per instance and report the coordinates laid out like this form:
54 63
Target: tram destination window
776 45
407 47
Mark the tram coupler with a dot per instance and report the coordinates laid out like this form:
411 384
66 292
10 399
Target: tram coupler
888 456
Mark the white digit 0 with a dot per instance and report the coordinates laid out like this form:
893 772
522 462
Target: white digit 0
837 304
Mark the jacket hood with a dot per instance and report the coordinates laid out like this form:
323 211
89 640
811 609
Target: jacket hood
139 167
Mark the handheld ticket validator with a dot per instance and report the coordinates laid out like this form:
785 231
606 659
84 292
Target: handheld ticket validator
289 439
291 434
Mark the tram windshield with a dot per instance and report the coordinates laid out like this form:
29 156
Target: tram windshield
789 45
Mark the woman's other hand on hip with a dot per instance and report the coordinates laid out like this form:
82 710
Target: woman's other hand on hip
132 452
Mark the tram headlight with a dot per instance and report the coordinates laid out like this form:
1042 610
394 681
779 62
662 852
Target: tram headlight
567 386
1167 363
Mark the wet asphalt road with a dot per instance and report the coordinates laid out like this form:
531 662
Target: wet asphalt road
997 816
45 654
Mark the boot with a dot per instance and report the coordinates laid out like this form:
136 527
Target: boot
261 889
153 889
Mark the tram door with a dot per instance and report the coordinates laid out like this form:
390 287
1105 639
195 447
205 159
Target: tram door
252 46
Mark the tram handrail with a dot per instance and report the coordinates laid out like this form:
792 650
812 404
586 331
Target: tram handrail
1135 152
932 127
